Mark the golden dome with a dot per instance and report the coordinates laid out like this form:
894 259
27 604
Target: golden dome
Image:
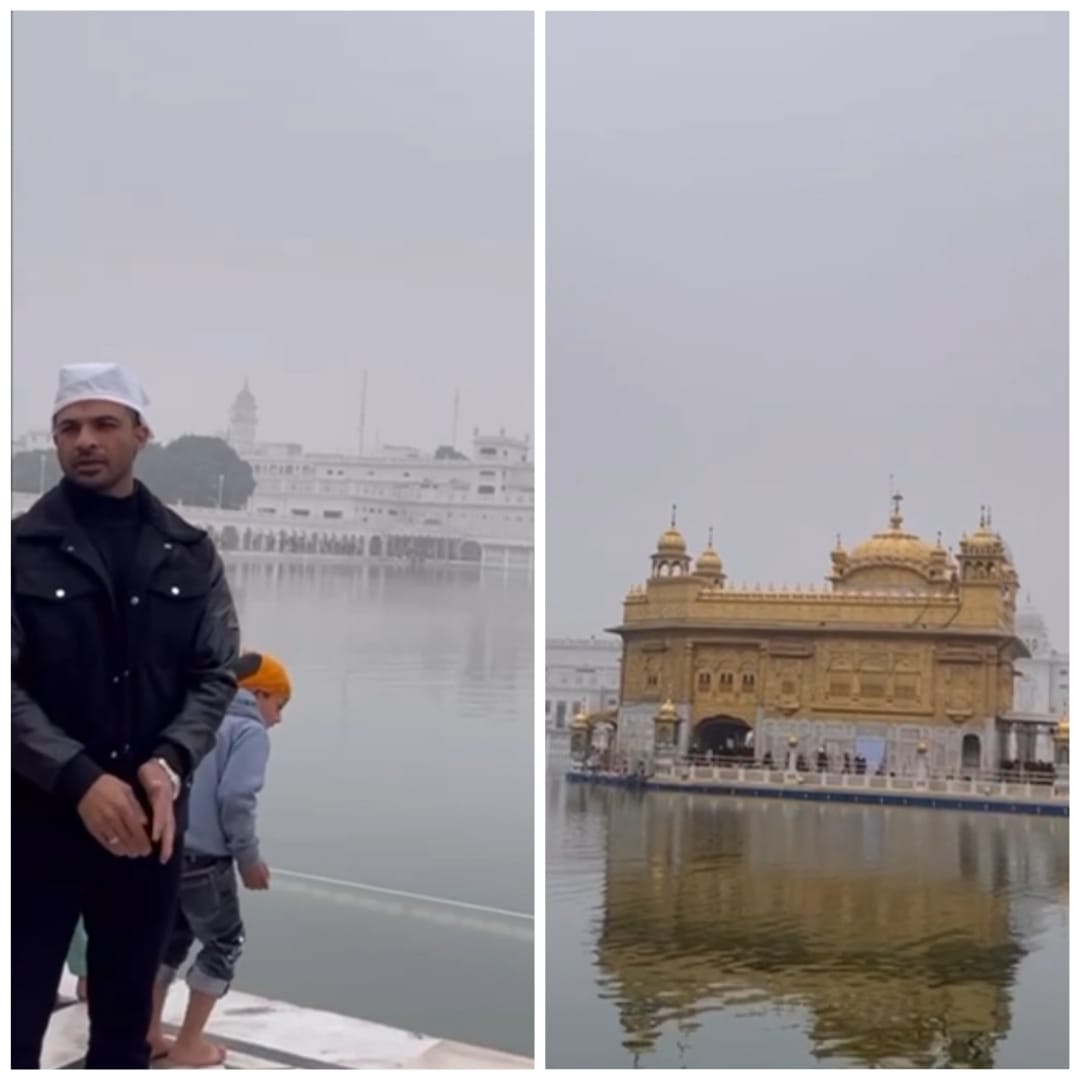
581 720
709 562
671 542
667 712
1062 732
892 545
709 559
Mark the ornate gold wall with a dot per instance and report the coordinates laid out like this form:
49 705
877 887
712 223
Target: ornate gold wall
902 630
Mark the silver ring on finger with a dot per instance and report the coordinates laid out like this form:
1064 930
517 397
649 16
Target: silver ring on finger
113 841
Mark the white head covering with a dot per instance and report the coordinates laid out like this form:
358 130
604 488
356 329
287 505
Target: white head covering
99 382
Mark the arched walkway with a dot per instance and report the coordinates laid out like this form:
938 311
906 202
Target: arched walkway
724 736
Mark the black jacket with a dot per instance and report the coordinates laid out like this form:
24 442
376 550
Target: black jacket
103 683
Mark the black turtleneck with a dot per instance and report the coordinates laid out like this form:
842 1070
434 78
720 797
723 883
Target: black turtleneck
112 525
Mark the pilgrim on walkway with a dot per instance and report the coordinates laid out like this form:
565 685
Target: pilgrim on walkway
124 635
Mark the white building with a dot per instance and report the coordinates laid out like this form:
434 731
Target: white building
582 674
1040 693
1042 684
486 497
32 440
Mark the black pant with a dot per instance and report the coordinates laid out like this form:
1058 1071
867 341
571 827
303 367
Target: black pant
57 872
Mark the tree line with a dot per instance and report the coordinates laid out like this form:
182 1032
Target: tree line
195 470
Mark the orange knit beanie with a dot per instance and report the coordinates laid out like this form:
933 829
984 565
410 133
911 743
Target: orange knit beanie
261 671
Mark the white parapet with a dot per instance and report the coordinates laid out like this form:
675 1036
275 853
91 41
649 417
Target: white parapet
263 1034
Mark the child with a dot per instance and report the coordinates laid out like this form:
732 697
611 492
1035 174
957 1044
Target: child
220 840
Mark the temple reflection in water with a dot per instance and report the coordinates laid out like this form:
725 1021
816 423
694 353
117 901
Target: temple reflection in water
894 929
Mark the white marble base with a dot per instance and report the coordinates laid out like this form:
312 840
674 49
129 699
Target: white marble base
291 1032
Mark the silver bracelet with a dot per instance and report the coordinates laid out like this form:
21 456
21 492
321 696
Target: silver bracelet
170 772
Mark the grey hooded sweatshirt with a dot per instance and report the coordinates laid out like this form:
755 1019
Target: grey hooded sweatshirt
226 785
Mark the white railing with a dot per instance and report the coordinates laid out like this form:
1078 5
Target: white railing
997 785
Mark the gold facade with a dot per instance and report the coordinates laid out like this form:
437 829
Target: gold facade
903 633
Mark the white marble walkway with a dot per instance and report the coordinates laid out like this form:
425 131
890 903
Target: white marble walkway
264 1034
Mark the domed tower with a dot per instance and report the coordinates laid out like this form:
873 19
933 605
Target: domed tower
986 564
670 558
243 420
709 566
1031 629
982 555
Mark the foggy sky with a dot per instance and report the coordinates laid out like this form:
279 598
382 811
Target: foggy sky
789 255
285 197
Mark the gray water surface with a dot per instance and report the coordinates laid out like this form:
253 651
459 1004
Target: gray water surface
405 763
694 930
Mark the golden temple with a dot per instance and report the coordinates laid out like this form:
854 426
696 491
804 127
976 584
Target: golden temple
908 649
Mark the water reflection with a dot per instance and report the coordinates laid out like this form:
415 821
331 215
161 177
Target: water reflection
481 618
897 932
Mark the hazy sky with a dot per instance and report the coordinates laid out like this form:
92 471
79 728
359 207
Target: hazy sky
286 197
789 255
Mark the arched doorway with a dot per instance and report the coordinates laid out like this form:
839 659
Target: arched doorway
723 736
471 551
971 752
375 547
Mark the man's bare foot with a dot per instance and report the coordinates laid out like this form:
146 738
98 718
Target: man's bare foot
196 1055
80 988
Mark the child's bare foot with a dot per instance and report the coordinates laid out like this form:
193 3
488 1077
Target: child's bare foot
160 1045
202 1054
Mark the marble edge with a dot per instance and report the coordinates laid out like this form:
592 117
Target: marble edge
317 1034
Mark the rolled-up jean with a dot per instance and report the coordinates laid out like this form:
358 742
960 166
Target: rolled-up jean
76 957
209 913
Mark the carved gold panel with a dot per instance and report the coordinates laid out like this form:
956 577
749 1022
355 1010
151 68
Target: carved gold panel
958 684
877 676
724 676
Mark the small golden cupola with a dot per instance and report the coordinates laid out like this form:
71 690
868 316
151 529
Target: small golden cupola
940 564
709 566
891 559
670 558
667 713
1061 733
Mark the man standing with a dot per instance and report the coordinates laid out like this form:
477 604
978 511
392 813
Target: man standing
123 637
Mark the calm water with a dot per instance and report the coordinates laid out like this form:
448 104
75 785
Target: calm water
688 930
404 762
